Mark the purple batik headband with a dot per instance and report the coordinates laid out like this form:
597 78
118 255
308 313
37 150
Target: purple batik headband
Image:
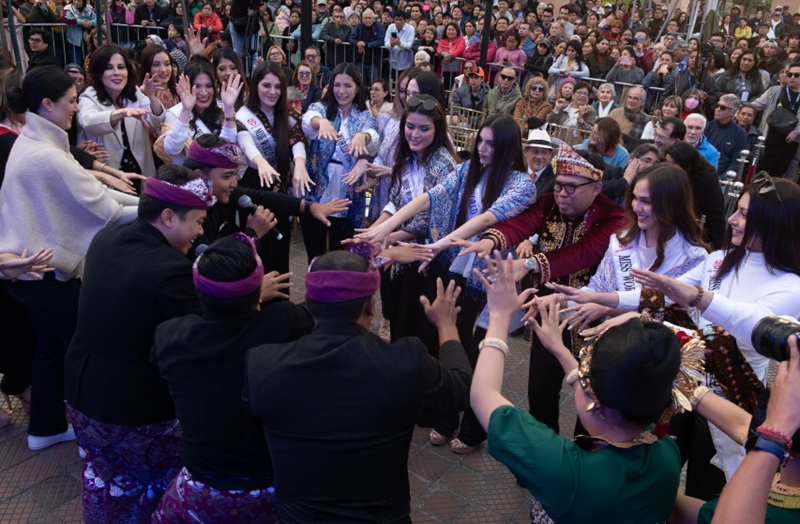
234 288
341 286
194 194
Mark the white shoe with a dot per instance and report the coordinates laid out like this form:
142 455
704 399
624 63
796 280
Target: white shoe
37 443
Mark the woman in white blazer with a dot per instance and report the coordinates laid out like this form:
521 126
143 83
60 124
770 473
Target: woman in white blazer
118 114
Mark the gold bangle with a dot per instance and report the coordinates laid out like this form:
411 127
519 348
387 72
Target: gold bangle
496 343
230 119
572 378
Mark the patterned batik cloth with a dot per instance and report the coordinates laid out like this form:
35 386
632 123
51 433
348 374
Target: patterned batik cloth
189 500
126 469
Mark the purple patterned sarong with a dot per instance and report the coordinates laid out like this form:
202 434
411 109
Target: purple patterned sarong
189 500
126 469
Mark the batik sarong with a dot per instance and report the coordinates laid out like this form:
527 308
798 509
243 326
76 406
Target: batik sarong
190 501
126 469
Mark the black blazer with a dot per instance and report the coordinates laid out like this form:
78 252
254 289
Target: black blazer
133 280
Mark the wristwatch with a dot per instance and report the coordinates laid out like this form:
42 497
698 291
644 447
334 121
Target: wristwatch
307 208
530 264
764 443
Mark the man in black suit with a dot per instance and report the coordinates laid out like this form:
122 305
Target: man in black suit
150 14
338 406
136 276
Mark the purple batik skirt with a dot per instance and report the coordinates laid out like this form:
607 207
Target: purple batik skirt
126 469
189 500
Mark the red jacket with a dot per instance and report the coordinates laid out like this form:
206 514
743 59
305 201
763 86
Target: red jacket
213 22
543 218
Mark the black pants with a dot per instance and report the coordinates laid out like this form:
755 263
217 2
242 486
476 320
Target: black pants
693 436
471 303
777 155
19 346
319 239
53 309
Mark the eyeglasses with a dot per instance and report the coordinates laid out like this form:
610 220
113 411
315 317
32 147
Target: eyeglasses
311 57
376 89
304 73
580 93
428 104
467 69
767 185
507 77
569 188
638 98
722 107
792 75
537 88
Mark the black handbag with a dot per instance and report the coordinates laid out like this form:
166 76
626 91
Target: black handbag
781 120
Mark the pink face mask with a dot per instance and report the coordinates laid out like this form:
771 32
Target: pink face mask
691 103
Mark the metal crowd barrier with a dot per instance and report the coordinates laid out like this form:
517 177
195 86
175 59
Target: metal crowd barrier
334 54
126 35
63 50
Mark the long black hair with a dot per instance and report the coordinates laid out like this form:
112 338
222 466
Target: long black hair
507 157
280 127
332 106
227 53
772 218
212 116
441 138
150 52
578 51
98 63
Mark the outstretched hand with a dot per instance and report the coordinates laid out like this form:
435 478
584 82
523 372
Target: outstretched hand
501 288
443 311
13 266
677 291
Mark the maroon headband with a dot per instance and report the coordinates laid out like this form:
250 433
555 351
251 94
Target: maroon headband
195 194
226 155
341 286
234 288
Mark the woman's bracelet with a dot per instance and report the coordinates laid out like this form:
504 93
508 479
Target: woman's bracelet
102 168
698 298
780 436
572 378
496 343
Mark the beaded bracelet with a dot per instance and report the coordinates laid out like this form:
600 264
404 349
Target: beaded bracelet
766 431
698 298
496 343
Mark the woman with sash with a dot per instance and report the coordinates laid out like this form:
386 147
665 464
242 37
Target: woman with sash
275 146
341 130
759 264
471 199
425 156
204 110
661 235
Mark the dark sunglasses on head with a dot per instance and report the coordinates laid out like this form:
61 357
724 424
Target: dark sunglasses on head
767 185
428 104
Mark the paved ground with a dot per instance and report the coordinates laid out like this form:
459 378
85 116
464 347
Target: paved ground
44 487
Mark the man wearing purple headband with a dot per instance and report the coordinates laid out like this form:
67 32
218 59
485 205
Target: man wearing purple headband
136 277
202 359
338 406
222 163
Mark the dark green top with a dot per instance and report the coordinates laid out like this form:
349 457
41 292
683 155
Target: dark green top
775 515
610 484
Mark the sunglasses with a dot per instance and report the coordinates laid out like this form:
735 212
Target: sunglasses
792 75
537 88
428 104
724 108
507 77
767 185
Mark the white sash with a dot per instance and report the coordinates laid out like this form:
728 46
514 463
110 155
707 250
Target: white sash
729 453
625 258
262 138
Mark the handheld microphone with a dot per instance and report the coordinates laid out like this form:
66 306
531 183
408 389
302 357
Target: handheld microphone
245 202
